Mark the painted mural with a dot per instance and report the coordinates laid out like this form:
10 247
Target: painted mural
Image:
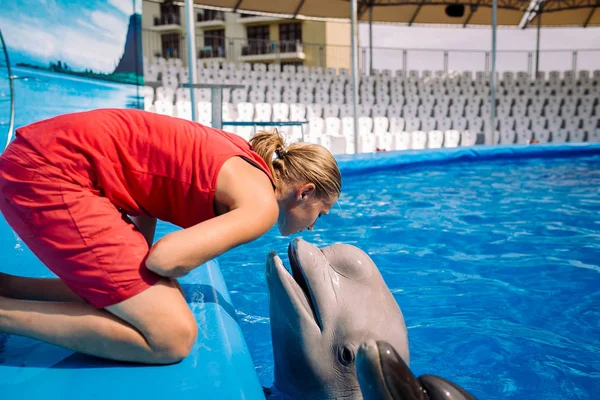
68 55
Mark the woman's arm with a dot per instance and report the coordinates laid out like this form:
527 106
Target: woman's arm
179 252
146 225
248 193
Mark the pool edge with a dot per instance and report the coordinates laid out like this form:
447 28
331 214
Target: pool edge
357 164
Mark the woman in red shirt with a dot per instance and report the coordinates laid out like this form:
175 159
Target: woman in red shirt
84 191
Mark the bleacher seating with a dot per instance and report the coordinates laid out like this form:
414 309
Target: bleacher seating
396 110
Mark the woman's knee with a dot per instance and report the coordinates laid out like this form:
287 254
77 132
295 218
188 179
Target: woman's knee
164 319
176 339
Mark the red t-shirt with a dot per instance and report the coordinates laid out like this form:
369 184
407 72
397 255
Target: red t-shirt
145 163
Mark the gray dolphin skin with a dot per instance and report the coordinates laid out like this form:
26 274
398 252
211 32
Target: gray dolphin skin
383 375
334 300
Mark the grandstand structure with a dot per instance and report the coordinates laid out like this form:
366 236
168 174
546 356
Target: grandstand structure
397 109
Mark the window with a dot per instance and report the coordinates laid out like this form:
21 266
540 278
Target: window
214 44
214 39
170 45
289 36
169 14
261 32
290 32
258 40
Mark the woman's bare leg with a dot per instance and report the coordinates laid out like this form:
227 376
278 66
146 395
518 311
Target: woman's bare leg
154 327
40 289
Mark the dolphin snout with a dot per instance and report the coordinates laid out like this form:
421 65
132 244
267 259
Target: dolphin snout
296 241
370 376
298 246
367 349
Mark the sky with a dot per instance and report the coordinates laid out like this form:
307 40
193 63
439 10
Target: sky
388 39
84 34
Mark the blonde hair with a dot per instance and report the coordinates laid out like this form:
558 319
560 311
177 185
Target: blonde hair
299 163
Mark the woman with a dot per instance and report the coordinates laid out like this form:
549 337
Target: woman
84 191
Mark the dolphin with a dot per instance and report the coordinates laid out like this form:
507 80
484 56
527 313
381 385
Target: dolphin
333 300
383 375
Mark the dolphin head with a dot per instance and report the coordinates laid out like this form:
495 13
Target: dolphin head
333 300
383 375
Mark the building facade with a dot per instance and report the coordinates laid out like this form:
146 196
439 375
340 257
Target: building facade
235 37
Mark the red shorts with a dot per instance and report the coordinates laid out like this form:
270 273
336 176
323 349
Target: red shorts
75 231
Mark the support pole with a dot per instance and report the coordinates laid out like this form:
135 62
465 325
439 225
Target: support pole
491 134
537 46
190 25
216 98
354 61
370 39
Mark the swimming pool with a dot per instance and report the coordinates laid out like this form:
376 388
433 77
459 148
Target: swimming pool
495 264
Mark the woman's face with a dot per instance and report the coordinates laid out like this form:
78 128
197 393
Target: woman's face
301 208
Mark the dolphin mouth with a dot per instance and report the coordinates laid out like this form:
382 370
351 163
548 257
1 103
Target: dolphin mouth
302 282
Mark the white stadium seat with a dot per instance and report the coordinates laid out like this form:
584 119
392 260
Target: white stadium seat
403 109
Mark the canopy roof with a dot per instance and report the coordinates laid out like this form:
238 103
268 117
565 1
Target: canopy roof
476 12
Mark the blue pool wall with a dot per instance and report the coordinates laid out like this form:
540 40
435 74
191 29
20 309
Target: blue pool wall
358 164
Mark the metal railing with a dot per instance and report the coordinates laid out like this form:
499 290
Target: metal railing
238 50
479 60
261 47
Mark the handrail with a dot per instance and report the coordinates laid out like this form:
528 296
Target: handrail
12 92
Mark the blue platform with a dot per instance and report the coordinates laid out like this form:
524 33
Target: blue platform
219 367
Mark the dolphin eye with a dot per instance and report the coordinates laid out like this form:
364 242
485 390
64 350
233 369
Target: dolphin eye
345 356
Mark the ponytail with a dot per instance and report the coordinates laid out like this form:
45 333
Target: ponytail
269 146
298 163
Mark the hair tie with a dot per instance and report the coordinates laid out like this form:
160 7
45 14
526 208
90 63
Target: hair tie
279 153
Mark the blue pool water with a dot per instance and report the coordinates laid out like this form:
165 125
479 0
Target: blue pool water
495 264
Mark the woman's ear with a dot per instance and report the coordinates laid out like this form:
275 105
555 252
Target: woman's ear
306 190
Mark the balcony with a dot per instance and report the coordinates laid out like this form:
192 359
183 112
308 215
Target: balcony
167 23
268 51
209 53
210 19
251 18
